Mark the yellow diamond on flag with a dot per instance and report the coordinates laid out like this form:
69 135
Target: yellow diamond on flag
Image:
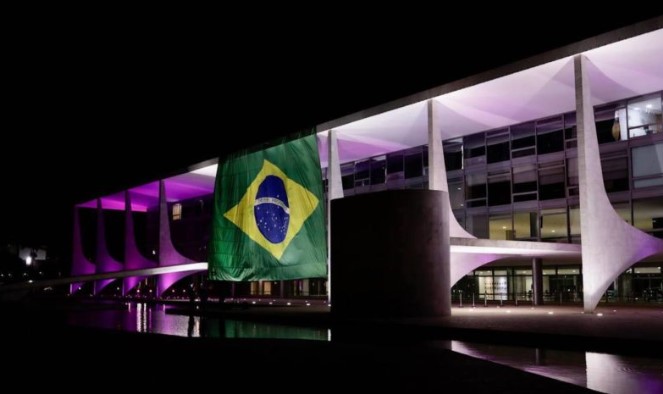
273 209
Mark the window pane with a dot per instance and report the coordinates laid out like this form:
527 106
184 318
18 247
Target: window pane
475 150
476 186
551 181
499 189
550 136
477 224
615 173
413 166
453 154
525 225
609 123
456 193
500 227
524 179
378 167
553 225
645 116
648 160
648 215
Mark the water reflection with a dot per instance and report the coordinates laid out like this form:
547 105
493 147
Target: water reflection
146 318
607 373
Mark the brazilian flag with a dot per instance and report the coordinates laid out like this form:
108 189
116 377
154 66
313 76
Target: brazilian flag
268 221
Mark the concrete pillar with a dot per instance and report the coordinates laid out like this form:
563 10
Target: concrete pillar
105 262
334 191
133 259
609 244
168 255
437 170
537 281
80 265
391 255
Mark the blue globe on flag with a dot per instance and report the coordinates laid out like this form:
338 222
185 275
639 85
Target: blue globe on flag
271 209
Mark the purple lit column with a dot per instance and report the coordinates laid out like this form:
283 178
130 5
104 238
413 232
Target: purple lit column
133 259
80 265
105 262
168 255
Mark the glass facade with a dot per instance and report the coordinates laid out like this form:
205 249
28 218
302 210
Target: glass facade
521 183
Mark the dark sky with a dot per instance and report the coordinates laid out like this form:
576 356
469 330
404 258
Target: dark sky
98 105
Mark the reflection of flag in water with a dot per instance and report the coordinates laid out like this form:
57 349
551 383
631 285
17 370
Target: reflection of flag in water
269 220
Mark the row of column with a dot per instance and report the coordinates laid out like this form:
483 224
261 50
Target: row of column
133 259
609 245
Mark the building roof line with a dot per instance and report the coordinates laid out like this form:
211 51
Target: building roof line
610 37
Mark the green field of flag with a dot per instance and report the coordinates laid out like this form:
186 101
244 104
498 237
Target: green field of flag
268 221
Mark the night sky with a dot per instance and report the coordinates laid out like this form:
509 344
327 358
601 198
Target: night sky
96 106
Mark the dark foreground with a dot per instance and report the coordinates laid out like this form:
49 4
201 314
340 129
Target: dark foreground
47 354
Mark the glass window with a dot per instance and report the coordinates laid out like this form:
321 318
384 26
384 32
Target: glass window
475 149
177 211
644 116
476 185
348 175
568 271
500 227
610 125
453 154
477 223
497 146
413 165
553 225
648 215
522 136
647 165
570 130
499 189
378 168
574 220
550 135
394 163
551 181
615 171
456 193
524 183
572 179
525 225
362 173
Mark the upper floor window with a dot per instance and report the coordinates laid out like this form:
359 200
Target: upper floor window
177 211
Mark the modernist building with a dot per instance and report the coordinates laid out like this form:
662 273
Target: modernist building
553 168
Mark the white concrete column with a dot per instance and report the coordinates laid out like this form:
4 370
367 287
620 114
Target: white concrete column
334 191
609 245
437 170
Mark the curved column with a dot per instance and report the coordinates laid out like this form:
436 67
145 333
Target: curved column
80 265
464 263
133 259
105 262
609 245
168 255
437 170
461 263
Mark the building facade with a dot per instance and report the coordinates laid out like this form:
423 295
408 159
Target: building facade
553 168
